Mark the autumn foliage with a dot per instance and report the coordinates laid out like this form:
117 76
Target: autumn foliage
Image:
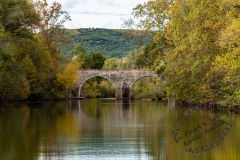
196 47
31 35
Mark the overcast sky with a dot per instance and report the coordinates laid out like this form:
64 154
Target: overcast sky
97 13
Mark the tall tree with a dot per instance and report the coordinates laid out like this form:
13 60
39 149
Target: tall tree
16 21
69 76
225 72
18 17
194 30
153 17
51 29
31 74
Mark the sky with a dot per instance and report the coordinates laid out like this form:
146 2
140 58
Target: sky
97 13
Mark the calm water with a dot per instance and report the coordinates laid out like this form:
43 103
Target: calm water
114 130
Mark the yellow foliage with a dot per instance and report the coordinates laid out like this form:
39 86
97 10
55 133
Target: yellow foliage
69 76
25 91
226 62
92 89
229 37
237 93
105 83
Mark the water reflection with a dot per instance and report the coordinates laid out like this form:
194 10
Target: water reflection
105 129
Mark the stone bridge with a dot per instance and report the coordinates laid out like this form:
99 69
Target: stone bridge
122 80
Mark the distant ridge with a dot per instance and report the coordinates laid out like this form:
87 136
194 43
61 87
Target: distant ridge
109 42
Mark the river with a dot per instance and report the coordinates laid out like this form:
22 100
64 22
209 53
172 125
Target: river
109 129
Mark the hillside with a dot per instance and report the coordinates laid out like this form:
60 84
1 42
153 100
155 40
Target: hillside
109 42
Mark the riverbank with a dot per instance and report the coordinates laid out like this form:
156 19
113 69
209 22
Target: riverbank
214 106
207 105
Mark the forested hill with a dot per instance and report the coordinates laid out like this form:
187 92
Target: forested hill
109 42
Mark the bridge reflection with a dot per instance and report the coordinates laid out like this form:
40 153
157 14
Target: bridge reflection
119 109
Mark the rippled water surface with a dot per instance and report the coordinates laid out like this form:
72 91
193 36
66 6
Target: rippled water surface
111 129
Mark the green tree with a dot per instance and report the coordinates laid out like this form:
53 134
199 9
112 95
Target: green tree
5 47
111 63
151 52
148 88
128 62
16 21
94 60
106 89
32 55
133 57
91 89
225 72
98 87
13 83
79 50
17 17
31 74
80 55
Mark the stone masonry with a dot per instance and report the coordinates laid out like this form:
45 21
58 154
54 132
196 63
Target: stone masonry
122 80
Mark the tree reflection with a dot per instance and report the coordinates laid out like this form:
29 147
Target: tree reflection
106 128
26 131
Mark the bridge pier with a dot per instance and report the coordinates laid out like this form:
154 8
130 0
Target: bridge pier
123 91
75 93
172 100
123 94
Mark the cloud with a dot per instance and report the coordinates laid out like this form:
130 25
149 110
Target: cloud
66 3
111 25
80 19
119 3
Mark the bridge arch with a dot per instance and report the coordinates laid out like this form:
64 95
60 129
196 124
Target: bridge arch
122 80
149 87
81 86
139 78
